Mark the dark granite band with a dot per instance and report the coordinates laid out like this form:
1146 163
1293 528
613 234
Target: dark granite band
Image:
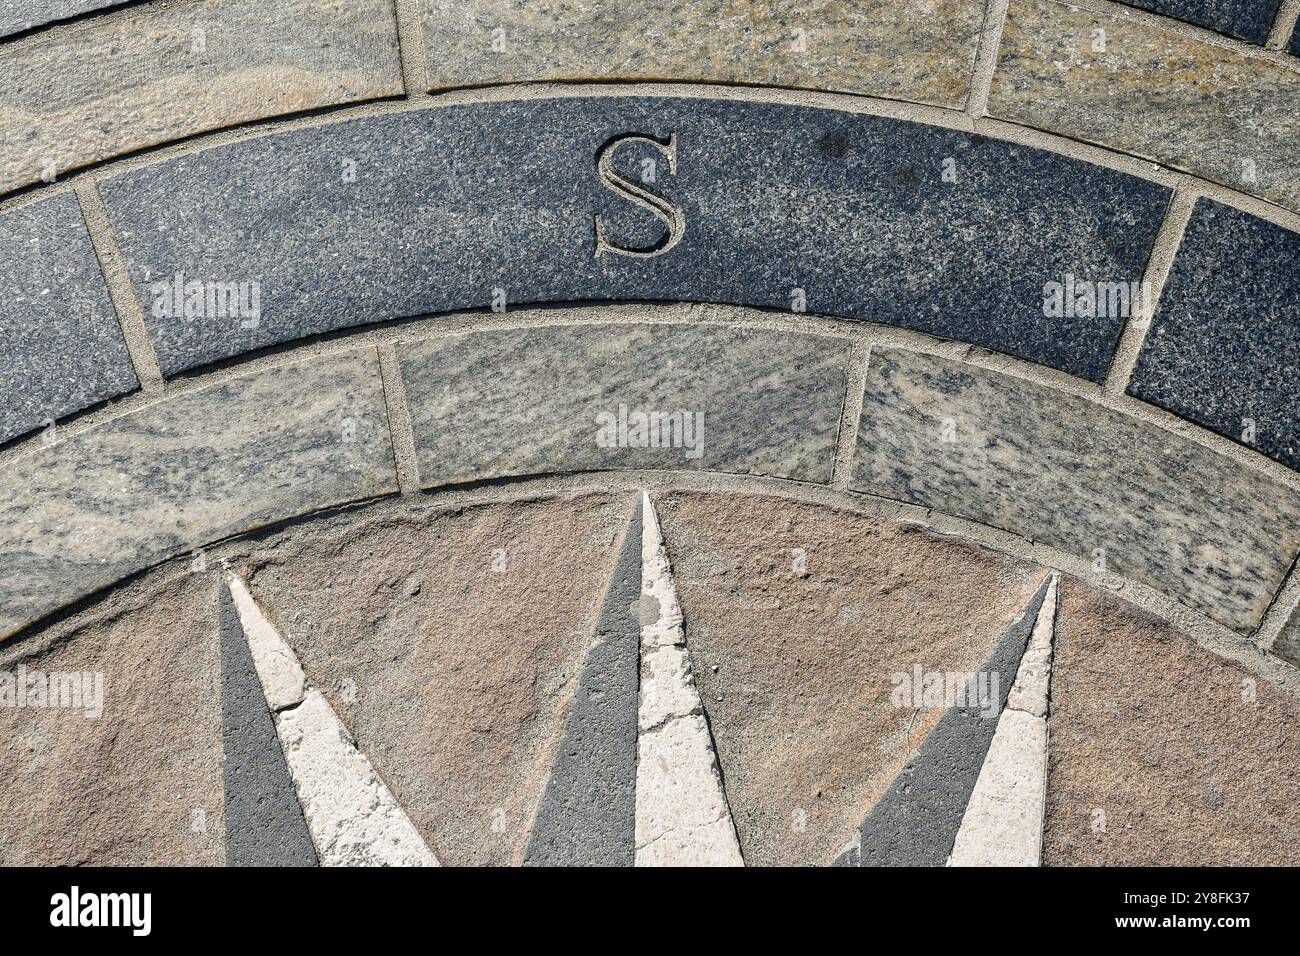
495 205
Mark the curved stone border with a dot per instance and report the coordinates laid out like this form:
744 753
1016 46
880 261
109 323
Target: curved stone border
102 87
1098 487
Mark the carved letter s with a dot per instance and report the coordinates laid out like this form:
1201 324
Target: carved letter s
667 213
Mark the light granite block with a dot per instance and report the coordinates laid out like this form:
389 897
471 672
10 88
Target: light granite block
922 50
499 205
106 86
1129 497
176 476
61 348
20 15
1185 103
488 405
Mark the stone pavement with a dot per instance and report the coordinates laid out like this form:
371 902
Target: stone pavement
782 433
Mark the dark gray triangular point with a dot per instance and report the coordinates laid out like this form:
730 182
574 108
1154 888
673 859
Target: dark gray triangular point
915 823
264 821
587 816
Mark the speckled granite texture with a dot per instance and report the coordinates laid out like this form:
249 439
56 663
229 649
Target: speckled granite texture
784 207
1224 350
921 50
19 15
1057 469
1250 20
1190 104
178 475
61 348
110 85
488 405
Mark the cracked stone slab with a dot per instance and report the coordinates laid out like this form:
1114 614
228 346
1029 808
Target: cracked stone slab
587 815
1224 348
682 816
352 815
20 15
61 348
566 398
264 821
110 85
494 205
476 619
802 624
1003 822
922 51
187 471
1061 470
1156 94
133 776
916 821
1162 753
1250 20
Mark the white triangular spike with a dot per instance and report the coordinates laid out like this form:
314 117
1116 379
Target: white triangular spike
682 817
1003 824
353 817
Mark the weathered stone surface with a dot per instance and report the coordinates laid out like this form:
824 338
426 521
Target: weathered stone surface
803 623
20 15
110 85
1224 350
915 822
1163 754
1054 468
175 476
264 821
61 349
1287 644
1186 103
528 401
141 783
1295 41
587 815
495 204
476 621
922 51
682 817
1247 19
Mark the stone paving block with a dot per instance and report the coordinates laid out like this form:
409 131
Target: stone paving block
1287 643
1224 349
178 475
19 15
1054 468
922 51
61 348
496 205
1295 41
477 620
1186 103
803 623
110 85
1250 20
122 766
494 404
1161 753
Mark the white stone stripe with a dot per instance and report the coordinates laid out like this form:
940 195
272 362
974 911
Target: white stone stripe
682 817
353 817
1003 824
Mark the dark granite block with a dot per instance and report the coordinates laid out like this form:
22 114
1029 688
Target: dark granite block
1295 41
1224 349
436 210
19 15
1250 20
61 348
